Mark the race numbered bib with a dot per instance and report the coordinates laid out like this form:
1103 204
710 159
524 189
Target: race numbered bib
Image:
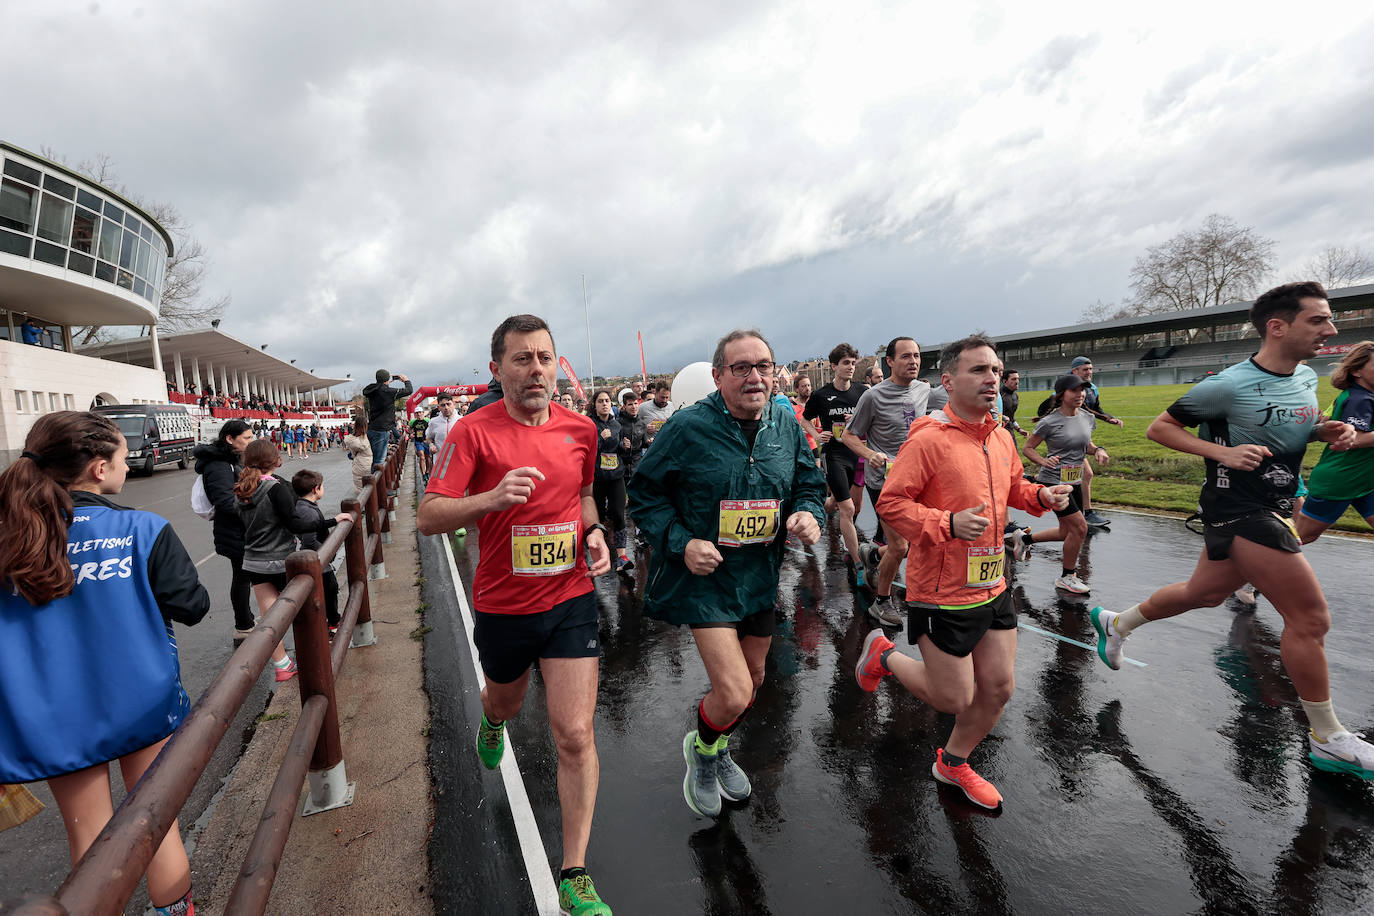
653 427
609 462
1071 474
985 566
543 550
748 521
1288 523
837 430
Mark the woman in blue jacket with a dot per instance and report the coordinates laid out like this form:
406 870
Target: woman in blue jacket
88 662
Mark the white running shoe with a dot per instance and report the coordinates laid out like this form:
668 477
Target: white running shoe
1110 644
1071 583
1247 595
1342 752
1020 550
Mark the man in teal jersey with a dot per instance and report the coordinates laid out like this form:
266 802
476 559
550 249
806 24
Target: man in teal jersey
1255 420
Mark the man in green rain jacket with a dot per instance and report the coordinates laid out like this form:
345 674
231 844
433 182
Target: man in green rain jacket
716 496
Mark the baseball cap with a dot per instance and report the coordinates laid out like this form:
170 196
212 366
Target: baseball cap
1080 361
1068 383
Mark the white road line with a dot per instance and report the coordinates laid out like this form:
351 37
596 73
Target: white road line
1073 642
206 557
531 844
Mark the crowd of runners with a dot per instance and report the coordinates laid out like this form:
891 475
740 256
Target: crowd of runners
715 490
709 496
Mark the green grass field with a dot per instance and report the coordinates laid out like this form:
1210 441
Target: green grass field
1150 476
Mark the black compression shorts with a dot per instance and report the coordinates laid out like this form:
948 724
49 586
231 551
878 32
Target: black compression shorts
839 475
761 624
956 632
1264 527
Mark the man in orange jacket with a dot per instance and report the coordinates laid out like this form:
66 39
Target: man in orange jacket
947 494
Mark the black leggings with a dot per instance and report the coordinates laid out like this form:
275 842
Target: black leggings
240 590
610 506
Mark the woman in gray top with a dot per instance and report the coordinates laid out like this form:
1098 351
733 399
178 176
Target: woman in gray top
1067 433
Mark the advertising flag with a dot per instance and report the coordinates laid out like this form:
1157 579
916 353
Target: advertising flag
572 377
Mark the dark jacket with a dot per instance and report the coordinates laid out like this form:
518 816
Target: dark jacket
698 460
490 396
309 513
219 466
636 431
608 463
381 403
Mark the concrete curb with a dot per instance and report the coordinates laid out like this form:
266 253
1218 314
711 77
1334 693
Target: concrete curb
373 855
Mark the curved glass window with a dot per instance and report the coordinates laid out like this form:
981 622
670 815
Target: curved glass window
52 219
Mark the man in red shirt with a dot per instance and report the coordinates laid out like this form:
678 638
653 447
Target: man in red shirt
521 471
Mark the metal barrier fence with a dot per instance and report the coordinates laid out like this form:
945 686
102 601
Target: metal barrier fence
105 878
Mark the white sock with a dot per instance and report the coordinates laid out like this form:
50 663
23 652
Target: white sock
1321 717
283 663
1128 620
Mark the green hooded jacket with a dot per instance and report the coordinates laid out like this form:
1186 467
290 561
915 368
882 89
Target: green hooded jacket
698 459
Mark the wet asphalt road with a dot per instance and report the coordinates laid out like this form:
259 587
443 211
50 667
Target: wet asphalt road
34 858
1180 787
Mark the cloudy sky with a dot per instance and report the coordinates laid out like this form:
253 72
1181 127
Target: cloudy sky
378 184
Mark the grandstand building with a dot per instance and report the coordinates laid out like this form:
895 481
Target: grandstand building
74 254
1162 349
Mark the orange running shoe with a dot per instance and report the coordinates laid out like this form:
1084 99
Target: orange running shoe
870 669
978 790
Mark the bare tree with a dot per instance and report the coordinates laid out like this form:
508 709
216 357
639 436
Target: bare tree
1217 263
183 305
1106 311
1339 265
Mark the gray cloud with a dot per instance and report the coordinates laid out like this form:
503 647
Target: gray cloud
381 189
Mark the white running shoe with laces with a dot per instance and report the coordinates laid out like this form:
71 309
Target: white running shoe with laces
1342 752
1072 584
1110 644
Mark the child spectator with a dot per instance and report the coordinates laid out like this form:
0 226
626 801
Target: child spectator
309 487
88 660
268 510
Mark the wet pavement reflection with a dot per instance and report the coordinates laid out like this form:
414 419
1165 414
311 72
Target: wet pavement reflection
1181 786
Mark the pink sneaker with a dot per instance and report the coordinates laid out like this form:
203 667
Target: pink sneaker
287 673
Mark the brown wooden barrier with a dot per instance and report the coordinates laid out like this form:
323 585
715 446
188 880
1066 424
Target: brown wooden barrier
102 882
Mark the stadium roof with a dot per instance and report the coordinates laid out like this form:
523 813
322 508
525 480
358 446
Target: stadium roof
1351 297
215 347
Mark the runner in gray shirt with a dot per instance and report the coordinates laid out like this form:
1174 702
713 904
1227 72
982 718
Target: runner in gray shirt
884 414
1067 432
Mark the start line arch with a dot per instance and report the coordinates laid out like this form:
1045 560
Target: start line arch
429 391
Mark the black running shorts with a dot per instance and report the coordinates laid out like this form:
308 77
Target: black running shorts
1075 502
839 475
956 632
276 580
1264 527
761 624
508 644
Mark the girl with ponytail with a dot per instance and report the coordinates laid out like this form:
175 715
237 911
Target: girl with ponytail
88 661
267 506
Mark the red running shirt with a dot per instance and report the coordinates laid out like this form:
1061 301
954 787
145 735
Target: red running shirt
530 557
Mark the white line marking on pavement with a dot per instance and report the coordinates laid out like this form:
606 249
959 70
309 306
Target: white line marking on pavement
207 557
1072 642
531 844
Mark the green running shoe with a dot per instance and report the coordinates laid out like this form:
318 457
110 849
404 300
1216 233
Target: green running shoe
734 782
491 743
700 787
577 897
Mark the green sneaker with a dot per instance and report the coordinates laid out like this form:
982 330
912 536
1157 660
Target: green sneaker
578 897
700 787
491 743
733 782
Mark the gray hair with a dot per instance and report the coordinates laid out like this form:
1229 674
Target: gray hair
718 360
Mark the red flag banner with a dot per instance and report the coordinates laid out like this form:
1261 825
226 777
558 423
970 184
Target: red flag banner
572 377
643 369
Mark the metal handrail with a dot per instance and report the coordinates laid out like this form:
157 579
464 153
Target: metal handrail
105 878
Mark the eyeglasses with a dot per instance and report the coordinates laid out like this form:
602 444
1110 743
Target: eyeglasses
742 370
